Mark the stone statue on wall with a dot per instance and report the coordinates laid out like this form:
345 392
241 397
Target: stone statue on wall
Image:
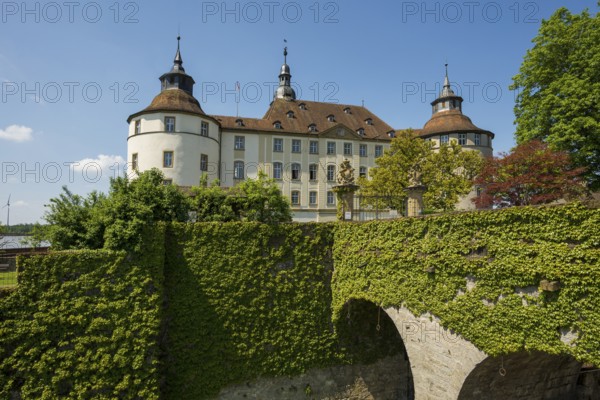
345 174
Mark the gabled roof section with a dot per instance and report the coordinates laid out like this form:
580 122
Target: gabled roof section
313 113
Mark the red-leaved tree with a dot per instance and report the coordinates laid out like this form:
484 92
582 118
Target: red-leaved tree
531 174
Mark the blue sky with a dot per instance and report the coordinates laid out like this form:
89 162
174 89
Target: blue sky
72 73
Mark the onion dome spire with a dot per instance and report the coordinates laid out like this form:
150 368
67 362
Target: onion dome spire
447 100
176 78
285 90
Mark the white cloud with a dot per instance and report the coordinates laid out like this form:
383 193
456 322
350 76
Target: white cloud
19 203
101 166
16 133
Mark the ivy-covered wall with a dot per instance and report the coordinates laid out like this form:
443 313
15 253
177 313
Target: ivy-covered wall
483 273
84 325
237 301
245 300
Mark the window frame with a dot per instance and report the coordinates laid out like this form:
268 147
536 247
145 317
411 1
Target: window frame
277 149
296 146
331 173
313 198
331 148
363 172
137 127
313 169
444 139
204 162
462 139
277 170
378 150
296 194
204 128
347 145
236 166
477 139
295 171
330 195
310 147
362 147
172 158
168 127
134 161
239 143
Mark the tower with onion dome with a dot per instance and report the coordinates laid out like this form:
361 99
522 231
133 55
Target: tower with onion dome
173 133
449 123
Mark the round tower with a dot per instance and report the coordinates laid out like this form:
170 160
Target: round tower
173 133
449 123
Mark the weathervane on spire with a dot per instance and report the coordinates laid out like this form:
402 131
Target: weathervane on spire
285 53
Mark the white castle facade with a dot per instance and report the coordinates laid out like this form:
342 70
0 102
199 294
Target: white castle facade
298 143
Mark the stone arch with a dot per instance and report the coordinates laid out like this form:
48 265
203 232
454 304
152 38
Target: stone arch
440 359
367 334
523 375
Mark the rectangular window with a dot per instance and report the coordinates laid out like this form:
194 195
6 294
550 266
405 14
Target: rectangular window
347 149
478 139
238 170
204 128
295 197
296 146
277 145
362 172
295 172
240 143
330 199
138 126
378 151
312 198
167 181
331 173
170 124
167 159
462 139
444 139
330 147
134 161
203 162
362 149
277 170
313 172
314 147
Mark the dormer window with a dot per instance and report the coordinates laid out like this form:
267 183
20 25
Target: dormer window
392 134
290 114
361 131
347 110
331 118
277 125
239 122
302 106
369 121
312 128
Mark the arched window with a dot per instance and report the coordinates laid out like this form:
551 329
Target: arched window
295 171
331 173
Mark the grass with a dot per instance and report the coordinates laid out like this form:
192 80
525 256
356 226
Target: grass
8 278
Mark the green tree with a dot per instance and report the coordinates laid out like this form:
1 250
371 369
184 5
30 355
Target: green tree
447 173
558 87
258 200
114 221
72 221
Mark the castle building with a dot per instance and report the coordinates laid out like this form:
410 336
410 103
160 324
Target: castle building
298 143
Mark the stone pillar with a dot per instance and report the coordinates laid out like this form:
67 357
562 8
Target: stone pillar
414 204
345 201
